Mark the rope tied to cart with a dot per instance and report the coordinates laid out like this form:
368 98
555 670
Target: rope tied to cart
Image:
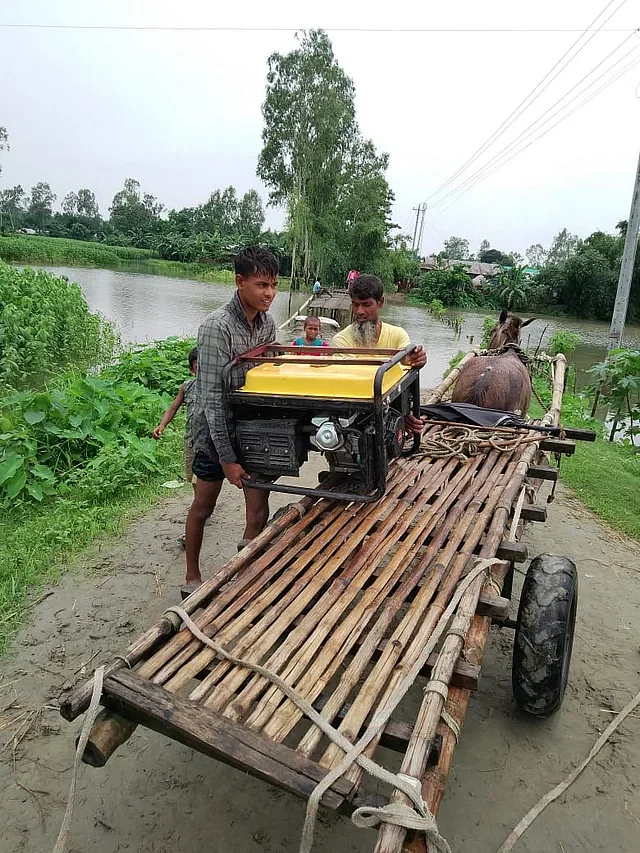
418 817
462 442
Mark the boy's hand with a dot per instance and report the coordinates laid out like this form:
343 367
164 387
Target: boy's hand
234 472
417 358
413 424
157 432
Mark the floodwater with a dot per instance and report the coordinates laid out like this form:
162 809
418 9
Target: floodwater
150 307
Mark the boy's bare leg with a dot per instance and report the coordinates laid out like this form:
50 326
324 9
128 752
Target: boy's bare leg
204 502
256 502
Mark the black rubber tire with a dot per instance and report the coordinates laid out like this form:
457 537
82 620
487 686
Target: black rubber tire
544 634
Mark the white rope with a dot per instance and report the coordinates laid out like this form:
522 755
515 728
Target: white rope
556 792
90 718
383 714
449 721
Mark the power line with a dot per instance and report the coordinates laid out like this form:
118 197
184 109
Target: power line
593 95
537 124
408 30
529 99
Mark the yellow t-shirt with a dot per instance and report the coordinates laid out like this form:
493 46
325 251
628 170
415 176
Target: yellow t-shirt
391 337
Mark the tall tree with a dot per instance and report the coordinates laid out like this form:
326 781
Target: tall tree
40 207
4 141
455 249
250 217
12 207
562 247
537 255
133 215
484 246
309 129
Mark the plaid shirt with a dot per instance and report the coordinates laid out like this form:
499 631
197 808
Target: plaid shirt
223 335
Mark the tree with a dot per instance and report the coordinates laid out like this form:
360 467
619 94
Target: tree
494 256
250 217
516 259
4 141
455 249
589 284
69 204
484 247
12 207
309 130
562 247
513 289
40 207
87 204
134 216
537 255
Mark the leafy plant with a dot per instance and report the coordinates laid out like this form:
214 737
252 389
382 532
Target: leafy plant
513 289
619 384
46 327
487 326
21 249
564 342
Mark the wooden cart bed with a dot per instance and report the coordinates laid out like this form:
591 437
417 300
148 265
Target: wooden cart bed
339 600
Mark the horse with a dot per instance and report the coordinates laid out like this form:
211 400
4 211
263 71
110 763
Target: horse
498 381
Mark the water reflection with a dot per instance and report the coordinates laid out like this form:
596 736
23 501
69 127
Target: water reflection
148 307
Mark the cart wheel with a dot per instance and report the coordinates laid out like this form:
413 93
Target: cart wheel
544 634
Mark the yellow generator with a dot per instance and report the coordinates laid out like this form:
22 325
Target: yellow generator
348 404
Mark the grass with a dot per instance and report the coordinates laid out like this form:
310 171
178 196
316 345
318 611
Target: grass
23 249
603 475
40 542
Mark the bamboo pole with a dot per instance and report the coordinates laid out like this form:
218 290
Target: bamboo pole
404 644
439 392
339 589
78 700
326 658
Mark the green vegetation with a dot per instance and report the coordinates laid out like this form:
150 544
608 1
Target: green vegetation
618 387
574 277
22 249
46 327
564 342
332 180
603 475
76 459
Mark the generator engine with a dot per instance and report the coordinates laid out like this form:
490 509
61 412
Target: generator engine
347 404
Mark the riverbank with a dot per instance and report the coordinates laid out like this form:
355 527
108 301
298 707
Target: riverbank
31 250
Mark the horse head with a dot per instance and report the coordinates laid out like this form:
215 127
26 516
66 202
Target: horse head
507 330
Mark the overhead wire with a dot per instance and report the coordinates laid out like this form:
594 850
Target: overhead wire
604 86
239 29
533 95
538 123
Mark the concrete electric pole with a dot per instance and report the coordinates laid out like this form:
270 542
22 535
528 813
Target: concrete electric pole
626 269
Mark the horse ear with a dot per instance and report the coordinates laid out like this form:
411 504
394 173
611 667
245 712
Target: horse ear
526 322
503 316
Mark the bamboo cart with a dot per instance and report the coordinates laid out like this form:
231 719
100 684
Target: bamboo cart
340 601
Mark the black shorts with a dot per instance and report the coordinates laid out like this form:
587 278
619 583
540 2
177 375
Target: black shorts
206 466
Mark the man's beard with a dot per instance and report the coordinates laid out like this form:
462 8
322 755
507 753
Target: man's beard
365 333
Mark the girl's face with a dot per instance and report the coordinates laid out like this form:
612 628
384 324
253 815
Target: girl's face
311 330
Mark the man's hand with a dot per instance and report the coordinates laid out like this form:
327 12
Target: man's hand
157 432
417 358
413 424
234 472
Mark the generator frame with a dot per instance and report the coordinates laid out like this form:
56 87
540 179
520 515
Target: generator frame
275 353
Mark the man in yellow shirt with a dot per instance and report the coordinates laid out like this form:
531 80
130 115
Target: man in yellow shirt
367 299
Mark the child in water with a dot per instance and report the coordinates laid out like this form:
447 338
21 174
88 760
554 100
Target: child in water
311 336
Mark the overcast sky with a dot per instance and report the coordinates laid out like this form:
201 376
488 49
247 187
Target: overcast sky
180 111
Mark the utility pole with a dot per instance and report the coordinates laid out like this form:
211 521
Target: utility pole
420 230
626 269
415 229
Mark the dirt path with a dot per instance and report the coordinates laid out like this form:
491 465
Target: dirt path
156 796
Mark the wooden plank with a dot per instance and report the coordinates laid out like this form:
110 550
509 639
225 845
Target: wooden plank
533 513
558 445
513 552
494 606
580 434
542 472
212 734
